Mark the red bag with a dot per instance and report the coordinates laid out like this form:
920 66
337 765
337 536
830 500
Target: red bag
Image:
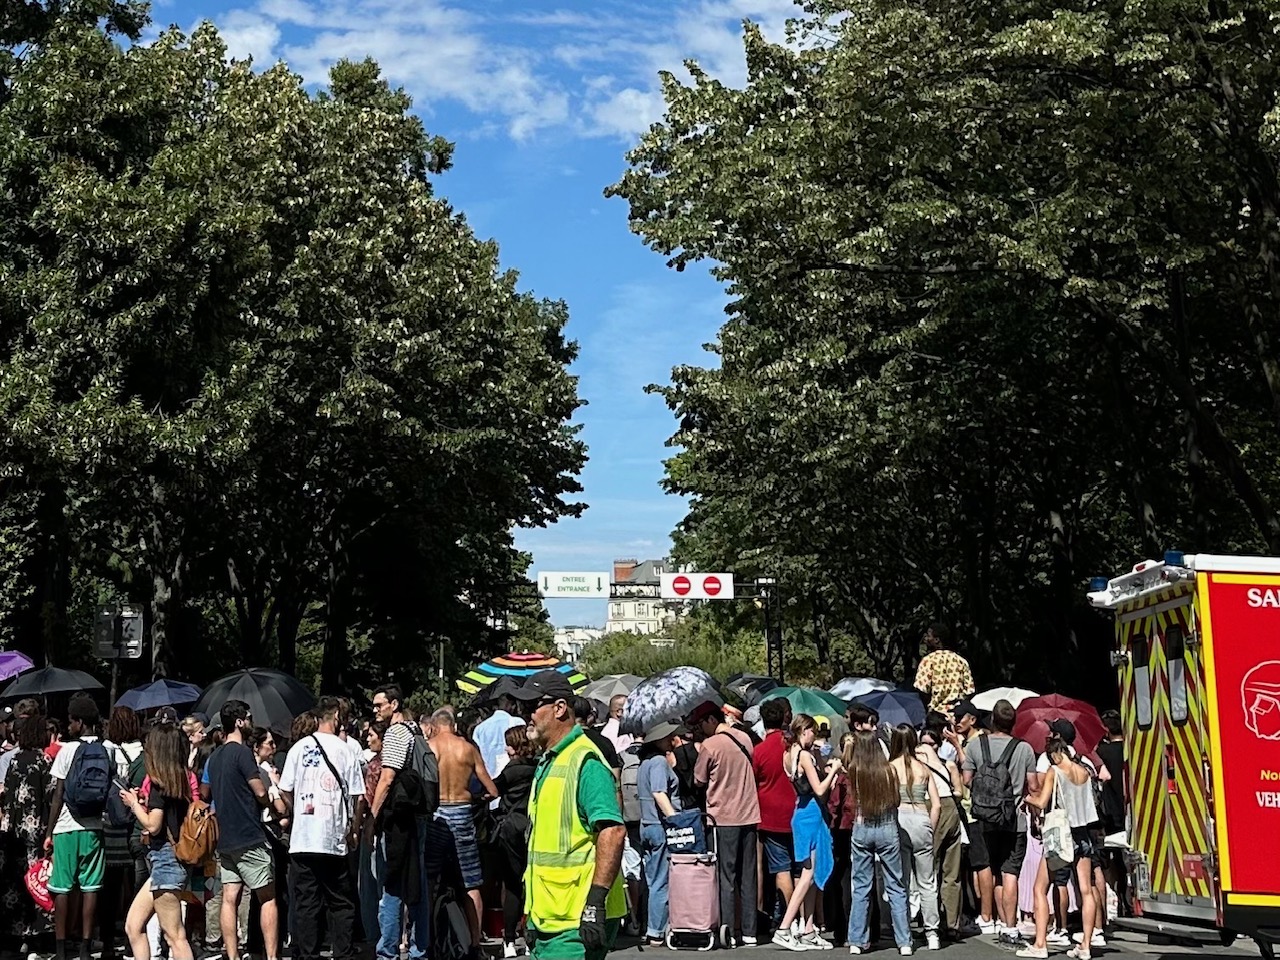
38 884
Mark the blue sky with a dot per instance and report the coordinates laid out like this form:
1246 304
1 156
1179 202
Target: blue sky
543 99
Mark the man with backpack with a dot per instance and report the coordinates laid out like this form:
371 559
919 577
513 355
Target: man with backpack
82 774
998 769
404 749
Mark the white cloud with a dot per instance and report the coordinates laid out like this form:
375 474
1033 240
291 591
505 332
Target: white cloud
588 73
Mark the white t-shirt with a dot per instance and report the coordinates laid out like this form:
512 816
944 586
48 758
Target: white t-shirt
321 813
1042 762
59 771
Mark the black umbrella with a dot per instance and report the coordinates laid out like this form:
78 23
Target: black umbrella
501 686
38 683
750 687
274 697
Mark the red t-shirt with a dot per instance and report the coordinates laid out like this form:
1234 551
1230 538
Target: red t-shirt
773 786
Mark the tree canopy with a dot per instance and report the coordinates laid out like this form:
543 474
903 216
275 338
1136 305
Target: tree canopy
254 373
1004 292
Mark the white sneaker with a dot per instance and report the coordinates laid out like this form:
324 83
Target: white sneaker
905 951
855 950
932 942
1099 939
987 927
785 939
749 941
814 941
1058 938
509 950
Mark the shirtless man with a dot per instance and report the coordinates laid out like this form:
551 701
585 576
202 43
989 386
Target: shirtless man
459 758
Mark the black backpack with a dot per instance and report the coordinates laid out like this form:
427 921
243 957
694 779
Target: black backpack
991 790
89 780
423 762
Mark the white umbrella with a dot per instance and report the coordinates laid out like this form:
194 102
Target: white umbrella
852 687
608 687
989 698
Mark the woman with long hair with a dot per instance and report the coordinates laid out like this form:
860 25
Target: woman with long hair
160 807
123 850
1068 785
24 806
919 807
809 834
875 833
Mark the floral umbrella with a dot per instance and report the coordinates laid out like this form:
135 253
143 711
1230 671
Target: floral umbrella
518 666
669 695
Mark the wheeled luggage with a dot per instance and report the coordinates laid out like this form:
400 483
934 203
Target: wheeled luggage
693 892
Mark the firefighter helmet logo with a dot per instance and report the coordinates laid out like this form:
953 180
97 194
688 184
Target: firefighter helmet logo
1260 693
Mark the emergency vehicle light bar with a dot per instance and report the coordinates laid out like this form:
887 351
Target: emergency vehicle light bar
1149 576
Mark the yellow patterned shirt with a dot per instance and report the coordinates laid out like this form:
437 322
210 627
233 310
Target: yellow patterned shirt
944 677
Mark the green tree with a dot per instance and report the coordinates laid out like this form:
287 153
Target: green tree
999 282
255 374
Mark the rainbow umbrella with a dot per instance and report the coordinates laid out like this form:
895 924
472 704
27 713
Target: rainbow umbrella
517 666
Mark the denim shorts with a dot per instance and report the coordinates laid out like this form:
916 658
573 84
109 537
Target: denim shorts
777 852
167 874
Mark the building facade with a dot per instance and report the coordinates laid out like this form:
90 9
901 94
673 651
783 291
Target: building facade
636 606
572 641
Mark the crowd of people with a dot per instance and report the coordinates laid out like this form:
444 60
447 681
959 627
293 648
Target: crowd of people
413 835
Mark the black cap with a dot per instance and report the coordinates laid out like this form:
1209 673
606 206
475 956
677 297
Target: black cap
1065 729
166 716
545 684
964 708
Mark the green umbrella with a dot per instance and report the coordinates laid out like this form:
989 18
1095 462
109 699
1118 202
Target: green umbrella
816 703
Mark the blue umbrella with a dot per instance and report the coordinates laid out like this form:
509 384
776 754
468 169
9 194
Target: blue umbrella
161 693
895 706
669 695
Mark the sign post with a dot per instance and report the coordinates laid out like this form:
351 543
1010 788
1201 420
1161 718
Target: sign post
573 586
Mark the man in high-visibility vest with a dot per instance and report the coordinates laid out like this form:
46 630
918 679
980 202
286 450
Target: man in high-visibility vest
573 884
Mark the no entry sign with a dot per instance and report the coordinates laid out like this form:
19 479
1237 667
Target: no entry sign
697 586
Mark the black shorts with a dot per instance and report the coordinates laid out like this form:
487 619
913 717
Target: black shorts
1006 849
979 858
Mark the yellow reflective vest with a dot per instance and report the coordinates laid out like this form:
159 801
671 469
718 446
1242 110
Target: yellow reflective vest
562 849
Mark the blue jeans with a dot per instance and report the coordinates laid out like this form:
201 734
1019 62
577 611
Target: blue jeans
390 907
657 871
871 839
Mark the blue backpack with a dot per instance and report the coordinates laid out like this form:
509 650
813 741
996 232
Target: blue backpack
85 792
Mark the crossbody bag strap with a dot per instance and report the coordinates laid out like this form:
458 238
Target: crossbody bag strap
342 784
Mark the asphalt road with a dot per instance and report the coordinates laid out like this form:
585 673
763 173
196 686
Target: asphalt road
982 948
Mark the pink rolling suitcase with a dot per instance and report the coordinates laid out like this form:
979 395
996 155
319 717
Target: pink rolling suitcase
694 895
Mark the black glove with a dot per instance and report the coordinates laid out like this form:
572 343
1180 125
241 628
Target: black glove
591 926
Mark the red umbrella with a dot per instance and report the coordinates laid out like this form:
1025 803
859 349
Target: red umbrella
1035 714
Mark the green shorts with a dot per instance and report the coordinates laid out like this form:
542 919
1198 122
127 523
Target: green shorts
78 861
252 867
568 945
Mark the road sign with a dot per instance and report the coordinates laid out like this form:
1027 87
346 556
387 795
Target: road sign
697 586
579 586
117 632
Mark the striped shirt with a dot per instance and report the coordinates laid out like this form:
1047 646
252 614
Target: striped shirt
397 745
